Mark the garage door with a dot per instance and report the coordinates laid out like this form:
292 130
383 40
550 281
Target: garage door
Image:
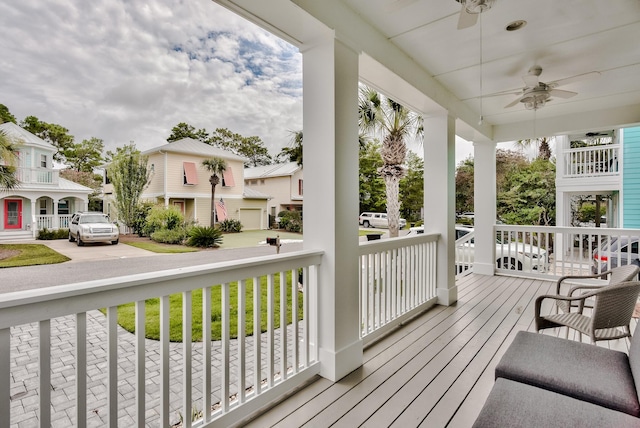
250 218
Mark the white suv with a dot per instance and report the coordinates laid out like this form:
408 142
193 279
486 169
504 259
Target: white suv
92 227
369 219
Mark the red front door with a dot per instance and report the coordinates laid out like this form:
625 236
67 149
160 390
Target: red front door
13 214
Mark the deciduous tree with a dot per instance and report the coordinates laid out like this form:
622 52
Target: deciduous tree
129 175
184 130
53 133
85 156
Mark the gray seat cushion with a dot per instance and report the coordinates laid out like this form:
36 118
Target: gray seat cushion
582 371
514 404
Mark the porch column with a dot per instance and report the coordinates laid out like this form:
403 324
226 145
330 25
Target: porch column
484 205
33 220
563 199
440 199
330 118
55 223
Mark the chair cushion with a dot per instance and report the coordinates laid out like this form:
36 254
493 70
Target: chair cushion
579 370
634 356
514 404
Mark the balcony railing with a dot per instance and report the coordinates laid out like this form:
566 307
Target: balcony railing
48 221
37 175
592 161
246 372
397 280
551 252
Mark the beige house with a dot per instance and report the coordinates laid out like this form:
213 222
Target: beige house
179 179
283 182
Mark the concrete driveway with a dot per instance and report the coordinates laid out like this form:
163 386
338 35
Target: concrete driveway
97 251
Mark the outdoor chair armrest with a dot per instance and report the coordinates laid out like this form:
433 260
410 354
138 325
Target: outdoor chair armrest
583 287
580 298
559 283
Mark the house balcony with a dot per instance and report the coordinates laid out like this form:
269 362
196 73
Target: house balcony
39 176
70 364
592 166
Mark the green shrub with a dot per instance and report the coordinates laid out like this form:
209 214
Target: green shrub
161 217
291 221
230 225
204 237
140 222
48 235
167 236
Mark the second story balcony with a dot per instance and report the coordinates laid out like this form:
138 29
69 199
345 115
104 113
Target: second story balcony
42 176
593 161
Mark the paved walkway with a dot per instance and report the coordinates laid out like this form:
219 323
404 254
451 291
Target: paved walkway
24 374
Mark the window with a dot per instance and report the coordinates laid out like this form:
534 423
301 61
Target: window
227 178
63 206
43 206
43 161
190 176
300 187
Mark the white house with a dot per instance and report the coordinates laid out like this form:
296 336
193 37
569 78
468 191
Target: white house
43 199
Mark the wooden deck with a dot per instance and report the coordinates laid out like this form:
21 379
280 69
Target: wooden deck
434 372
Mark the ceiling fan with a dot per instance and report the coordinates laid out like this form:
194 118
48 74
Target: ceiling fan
470 11
536 94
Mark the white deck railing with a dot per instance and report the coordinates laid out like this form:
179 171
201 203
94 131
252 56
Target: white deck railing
591 161
465 253
37 175
47 221
242 373
397 280
552 252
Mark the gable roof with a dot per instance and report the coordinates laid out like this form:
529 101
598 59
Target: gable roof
21 136
194 147
277 170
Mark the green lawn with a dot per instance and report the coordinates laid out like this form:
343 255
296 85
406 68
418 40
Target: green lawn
161 248
126 313
29 255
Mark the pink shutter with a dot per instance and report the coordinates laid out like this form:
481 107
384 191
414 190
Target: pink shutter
228 177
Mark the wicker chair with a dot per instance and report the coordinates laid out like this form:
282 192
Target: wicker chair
612 310
616 275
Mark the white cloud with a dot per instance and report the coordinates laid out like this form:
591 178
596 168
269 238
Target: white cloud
130 71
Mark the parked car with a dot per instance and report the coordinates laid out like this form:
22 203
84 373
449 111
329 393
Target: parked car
512 255
371 219
469 215
88 226
617 251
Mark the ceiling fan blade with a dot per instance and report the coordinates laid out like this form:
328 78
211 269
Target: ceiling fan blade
514 102
562 94
466 19
572 79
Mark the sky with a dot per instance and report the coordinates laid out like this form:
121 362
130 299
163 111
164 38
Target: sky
129 71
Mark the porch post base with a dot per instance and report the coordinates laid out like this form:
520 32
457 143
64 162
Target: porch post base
484 268
447 296
336 365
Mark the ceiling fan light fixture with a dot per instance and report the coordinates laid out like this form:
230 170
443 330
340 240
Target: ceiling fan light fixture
478 6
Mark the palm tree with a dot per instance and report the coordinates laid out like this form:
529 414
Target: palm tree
294 151
216 166
395 123
544 149
8 157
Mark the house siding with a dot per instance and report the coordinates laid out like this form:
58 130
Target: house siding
631 178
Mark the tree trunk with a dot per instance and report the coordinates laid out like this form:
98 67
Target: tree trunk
393 204
214 182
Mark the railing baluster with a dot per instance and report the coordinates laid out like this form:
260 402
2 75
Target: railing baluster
112 364
206 353
140 362
257 336
81 370
45 372
283 326
186 358
242 354
164 362
294 321
270 328
305 317
225 371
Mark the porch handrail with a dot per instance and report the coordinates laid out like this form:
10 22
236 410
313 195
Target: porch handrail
549 252
397 281
295 345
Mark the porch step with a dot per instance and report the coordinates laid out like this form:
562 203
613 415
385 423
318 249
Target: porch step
21 235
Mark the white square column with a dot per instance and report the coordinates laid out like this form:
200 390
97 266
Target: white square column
439 199
330 82
484 206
